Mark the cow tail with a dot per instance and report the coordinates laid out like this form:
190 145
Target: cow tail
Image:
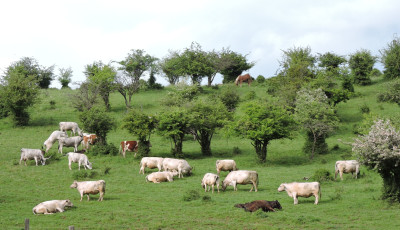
34 211
119 150
320 192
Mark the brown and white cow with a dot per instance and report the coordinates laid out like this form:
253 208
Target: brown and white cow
90 187
241 177
130 146
349 166
51 206
297 189
88 139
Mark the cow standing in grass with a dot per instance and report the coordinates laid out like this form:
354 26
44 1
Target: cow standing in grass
54 136
241 177
90 187
211 180
225 165
68 125
349 166
33 154
297 189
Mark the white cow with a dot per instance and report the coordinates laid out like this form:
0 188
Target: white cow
305 189
241 177
157 177
179 165
79 158
69 142
90 187
51 206
210 179
33 154
54 136
350 166
151 163
68 125
225 165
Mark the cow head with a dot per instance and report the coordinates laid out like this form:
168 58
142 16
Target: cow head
276 204
44 160
74 185
281 188
89 165
224 185
68 203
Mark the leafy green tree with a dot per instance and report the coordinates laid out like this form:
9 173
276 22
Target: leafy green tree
390 57
103 78
96 120
378 150
142 126
18 93
331 61
65 77
174 125
361 64
230 97
317 118
392 93
133 68
171 67
30 67
196 63
85 97
204 120
262 123
232 64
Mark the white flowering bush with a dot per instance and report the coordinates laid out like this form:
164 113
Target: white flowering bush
379 150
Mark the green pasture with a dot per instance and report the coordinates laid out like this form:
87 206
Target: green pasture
131 203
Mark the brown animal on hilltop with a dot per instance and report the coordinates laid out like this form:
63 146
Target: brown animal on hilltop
266 206
241 78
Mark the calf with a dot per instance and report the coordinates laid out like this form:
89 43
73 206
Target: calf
129 146
51 206
33 154
54 136
90 187
306 189
266 206
157 177
225 165
88 139
69 142
79 158
350 166
179 165
210 179
151 163
68 125
241 177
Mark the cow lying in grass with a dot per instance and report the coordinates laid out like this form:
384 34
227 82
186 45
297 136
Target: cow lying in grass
266 206
51 206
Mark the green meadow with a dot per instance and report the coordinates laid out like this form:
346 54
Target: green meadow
131 203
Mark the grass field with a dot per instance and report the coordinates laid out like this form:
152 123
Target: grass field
131 203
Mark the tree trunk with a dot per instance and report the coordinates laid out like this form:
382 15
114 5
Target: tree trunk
205 142
261 150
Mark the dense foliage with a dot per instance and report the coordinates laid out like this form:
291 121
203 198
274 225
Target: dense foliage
361 64
390 57
96 120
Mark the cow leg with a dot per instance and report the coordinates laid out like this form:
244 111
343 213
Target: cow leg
101 196
218 187
296 201
212 188
205 188
341 175
234 186
316 198
336 172
88 197
69 165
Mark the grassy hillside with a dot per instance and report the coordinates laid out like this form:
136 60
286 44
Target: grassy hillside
131 203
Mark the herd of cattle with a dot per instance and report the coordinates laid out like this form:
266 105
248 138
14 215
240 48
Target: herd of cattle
168 168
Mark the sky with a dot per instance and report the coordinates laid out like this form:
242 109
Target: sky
77 33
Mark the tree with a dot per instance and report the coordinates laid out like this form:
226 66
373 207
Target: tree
232 64
174 125
390 58
379 150
103 78
96 120
18 93
331 61
133 68
317 118
142 126
361 64
171 67
204 120
30 67
262 123
85 97
196 63
65 77
230 97
392 93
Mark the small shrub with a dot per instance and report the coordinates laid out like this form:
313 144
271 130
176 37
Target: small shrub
365 109
322 175
251 95
324 161
52 104
261 214
191 195
335 147
230 98
337 194
215 87
106 170
206 198
260 79
109 149
236 150
84 174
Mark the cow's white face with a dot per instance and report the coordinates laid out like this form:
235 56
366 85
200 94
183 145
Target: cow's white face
281 188
89 165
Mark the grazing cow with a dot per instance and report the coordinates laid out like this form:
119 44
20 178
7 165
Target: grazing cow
350 166
90 187
51 206
79 158
73 126
33 154
54 136
151 163
225 165
241 177
69 142
179 165
210 179
88 139
305 189
157 177
266 206
129 146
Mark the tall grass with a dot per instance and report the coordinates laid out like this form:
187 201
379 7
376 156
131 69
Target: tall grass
131 203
